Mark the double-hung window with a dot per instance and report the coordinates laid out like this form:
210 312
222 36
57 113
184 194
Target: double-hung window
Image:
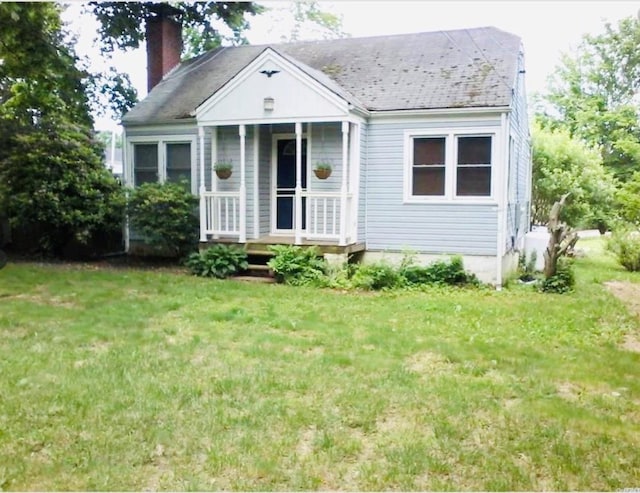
169 158
450 165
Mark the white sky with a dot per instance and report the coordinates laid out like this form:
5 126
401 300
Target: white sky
547 27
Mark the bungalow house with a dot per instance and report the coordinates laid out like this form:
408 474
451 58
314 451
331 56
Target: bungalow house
426 137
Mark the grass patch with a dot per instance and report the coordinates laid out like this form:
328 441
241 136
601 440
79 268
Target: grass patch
135 380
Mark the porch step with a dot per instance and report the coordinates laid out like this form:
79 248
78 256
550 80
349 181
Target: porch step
263 279
258 267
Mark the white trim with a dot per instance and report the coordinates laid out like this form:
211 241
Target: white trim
275 121
170 126
450 134
354 182
501 216
270 55
161 142
344 184
256 183
275 137
242 131
297 210
461 112
201 187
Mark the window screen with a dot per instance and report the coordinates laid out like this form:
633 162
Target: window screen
145 163
179 162
428 167
473 170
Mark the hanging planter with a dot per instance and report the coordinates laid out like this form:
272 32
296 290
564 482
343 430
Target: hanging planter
322 170
223 170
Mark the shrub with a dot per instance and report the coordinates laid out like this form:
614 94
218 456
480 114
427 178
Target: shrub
165 214
626 247
296 265
54 188
562 281
219 261
440 272
527 268
377 276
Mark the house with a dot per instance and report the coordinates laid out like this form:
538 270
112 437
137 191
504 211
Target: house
426 134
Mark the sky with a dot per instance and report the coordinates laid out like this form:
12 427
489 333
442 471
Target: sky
547 28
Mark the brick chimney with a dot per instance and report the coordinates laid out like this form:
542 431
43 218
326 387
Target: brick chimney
164 44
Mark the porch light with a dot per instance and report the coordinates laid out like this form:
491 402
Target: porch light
269 104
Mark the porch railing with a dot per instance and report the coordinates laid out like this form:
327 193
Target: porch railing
222 213
323 215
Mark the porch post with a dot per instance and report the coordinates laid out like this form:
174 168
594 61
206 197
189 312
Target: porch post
256 181
298 191
214 178
243 187
343 186
203 212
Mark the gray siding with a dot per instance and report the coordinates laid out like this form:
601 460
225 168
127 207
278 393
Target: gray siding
518 208
326 146
362 199
191 129
265 180
228 149
455 228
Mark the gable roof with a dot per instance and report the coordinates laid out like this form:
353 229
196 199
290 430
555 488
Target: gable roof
445 69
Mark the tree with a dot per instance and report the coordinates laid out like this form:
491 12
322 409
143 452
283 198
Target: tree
53 184
594 95
317 23
628 198
123 23
562 164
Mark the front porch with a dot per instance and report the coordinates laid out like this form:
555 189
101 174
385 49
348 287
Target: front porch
273 196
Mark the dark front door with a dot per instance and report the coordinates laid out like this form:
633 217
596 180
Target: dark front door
286 184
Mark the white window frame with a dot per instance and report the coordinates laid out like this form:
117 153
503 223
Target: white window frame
451 164
161 142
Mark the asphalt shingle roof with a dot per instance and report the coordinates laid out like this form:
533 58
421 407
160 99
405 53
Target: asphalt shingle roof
445 69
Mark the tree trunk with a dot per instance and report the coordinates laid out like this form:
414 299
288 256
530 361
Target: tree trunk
561 239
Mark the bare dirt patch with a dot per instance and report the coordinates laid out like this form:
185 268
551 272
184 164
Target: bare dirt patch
631 343
426 362
628 293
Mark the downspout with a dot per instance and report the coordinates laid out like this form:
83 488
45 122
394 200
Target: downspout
501 201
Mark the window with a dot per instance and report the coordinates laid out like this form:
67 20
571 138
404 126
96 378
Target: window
179 162
429 166
449 166
473 173
145 163
168 158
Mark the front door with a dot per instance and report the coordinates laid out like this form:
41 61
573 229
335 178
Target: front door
285 180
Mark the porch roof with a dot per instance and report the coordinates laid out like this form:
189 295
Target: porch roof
446 69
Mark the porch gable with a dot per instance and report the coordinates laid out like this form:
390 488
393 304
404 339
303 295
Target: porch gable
272 89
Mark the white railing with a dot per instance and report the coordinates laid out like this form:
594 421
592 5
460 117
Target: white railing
221 214
323 215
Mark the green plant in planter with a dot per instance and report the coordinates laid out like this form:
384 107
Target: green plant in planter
223 169
322 170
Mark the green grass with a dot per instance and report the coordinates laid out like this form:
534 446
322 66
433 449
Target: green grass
133 380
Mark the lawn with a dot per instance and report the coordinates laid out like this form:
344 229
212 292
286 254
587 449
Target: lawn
115 379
